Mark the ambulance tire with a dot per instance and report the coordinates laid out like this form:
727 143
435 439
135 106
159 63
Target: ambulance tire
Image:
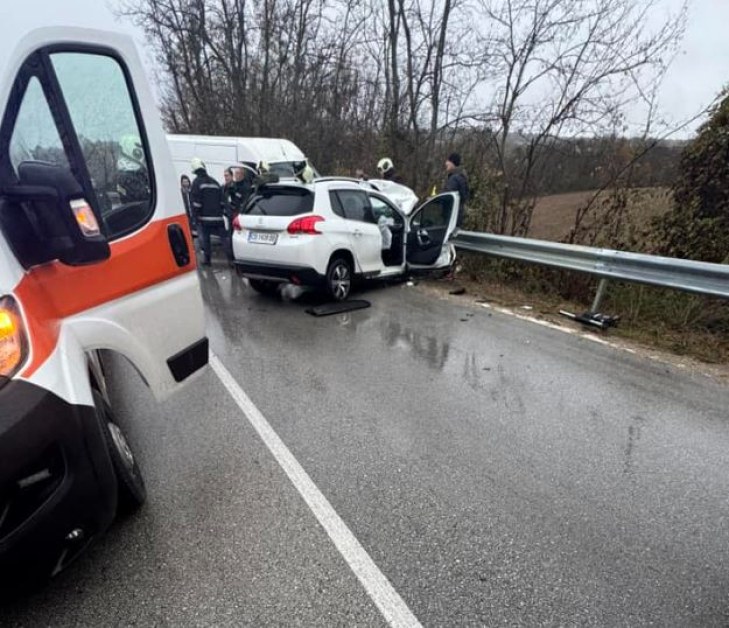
131 491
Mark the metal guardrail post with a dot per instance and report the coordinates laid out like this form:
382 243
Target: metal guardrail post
601 290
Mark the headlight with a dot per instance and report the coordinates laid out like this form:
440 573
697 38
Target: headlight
13 339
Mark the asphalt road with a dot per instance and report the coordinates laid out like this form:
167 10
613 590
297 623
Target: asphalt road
496 472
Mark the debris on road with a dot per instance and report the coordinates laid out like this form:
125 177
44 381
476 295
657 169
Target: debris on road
458 291
338 308
594 319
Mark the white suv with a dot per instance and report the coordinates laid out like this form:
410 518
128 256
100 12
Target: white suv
326 233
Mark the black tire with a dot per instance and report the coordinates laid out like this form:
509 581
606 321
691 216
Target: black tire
262 286
339 279
131 490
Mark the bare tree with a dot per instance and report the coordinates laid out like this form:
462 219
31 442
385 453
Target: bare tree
352 80
562 68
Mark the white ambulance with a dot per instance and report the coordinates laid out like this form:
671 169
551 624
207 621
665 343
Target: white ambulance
95 252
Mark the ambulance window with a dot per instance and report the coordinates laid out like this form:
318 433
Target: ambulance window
35 136
96 94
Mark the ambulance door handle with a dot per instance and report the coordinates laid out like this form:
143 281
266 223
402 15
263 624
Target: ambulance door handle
178 244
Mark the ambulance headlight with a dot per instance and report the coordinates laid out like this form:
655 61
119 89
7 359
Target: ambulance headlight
13 339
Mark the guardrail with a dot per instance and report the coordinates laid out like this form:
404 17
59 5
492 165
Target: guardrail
667 272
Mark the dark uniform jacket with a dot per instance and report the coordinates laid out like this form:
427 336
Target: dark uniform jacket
457 181
206 198
239 194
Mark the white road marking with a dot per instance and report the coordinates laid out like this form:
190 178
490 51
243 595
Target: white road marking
562 328
378 587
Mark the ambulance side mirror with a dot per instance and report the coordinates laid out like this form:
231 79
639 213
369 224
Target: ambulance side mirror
46 217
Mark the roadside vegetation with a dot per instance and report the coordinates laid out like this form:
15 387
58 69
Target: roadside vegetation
689 220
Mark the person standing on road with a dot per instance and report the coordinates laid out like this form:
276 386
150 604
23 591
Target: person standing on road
303 172
240 191
227 196
206 197
227 184
387 171
457 181
185 184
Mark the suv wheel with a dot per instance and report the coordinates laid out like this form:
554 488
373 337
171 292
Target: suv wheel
339 279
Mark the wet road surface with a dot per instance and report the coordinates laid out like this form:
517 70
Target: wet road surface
497 472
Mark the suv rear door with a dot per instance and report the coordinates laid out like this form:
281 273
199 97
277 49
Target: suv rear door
429 228
74 112
354 206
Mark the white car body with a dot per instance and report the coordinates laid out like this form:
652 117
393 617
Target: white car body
402 195
343 220
219 153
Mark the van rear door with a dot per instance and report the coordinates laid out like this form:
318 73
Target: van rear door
73 132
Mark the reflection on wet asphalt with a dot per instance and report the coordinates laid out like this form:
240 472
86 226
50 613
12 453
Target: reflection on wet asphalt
498 473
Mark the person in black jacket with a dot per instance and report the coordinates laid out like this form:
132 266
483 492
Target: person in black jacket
206 198
241 190
185 185
227 189
457 181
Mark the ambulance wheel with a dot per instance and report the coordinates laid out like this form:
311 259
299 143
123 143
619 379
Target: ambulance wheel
131 490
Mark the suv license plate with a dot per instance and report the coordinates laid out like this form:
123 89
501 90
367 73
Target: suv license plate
259 237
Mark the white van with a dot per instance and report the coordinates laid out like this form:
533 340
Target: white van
95 252
219 153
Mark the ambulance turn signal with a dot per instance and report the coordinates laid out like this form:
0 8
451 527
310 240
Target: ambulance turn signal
85 218
13 340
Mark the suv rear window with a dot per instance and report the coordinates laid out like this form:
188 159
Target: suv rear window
281 202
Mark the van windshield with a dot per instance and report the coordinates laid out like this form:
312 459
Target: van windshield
281 201
284 169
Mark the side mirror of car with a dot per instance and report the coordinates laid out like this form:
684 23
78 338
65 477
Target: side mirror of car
45 217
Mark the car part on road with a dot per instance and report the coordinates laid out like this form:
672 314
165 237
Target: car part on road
339 279
338 308
132 492
593 319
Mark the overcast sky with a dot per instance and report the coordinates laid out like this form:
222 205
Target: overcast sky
698 74
701 69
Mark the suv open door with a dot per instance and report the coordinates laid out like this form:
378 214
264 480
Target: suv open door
429 228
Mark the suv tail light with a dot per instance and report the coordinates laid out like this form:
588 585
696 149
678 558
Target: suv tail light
236 223
13 339
307 225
